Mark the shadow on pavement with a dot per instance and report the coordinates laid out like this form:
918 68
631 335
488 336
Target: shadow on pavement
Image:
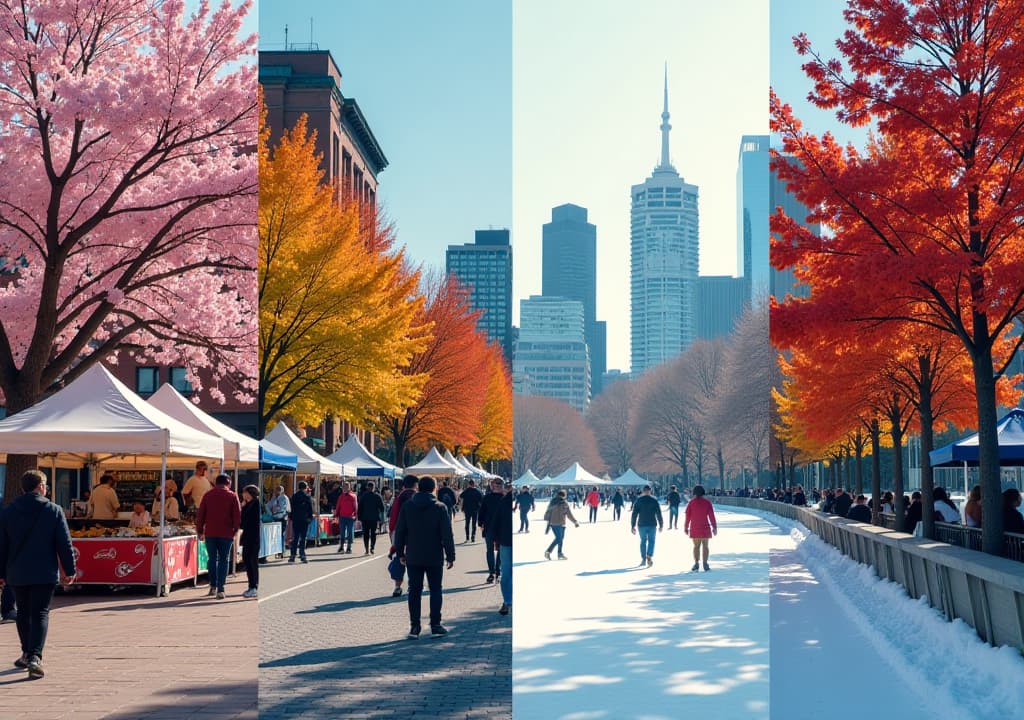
386 600
210 702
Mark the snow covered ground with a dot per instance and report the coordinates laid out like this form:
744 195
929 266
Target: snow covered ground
597 636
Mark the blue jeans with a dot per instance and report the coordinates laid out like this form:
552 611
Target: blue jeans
299 531
647 534
347 530
505 554
218 551
559 533
673 515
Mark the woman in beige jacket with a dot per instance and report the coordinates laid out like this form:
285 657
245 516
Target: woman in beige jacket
555 516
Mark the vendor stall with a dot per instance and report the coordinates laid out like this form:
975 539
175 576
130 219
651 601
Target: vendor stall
99 422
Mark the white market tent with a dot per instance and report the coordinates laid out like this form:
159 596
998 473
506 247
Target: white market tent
527 478
468 467
239 448
466 471
353 454
310 462
575 474
434 463
485 473
97 419
629 479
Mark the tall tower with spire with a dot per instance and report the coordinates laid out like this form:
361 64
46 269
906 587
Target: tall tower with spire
664 256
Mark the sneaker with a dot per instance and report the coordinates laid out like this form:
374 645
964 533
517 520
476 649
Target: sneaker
340 550
348 550
650 561
9 618
397 592
547 554
35 667
503 610
563 557
291 559
695 568
305 560
706 568
373 551
643 561
250 593
22 662
438 631
472 539
414 632
220 594
490 578
211 592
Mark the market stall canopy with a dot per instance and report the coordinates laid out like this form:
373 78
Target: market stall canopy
629 479
354 454
486 474
96 413
575 474
238 447
1010 431
273 457
310 461
466 465
547 481
434 464
527 478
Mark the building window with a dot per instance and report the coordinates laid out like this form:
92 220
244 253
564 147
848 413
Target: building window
179 381
147 380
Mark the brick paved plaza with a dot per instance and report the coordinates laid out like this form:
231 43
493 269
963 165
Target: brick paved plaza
337 646
133 656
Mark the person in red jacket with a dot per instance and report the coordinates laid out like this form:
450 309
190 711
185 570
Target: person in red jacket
345 511
700 525
593 500
217 522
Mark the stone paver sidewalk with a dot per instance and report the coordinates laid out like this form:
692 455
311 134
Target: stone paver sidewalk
128 655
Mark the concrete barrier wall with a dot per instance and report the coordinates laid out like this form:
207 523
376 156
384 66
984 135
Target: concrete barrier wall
985 591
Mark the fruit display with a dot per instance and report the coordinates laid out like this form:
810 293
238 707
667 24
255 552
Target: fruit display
97 531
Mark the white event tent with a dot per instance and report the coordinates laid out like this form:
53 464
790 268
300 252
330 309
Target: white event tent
97 420
433 463
527 478
310 462
629 479
353 454
575 474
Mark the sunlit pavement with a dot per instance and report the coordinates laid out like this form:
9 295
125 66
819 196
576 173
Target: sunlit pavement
597 636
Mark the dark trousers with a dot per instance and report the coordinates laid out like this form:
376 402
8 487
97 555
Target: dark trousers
434 574
251 560
493 566
33 616
6 601
524 520
218 551
299 531
593 513
369 534
616 512
470 525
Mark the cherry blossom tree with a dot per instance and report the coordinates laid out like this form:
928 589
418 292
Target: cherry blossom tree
128 180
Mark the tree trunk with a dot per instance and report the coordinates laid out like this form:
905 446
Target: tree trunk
876 467
897 474
858 448
988 455
926 414
20 395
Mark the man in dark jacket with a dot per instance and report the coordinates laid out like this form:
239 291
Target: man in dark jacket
470 500
487 518
526 504
424 542
447 496
647 517
860 511
674 499
503 544
302 515
913 513
217 522
841 505
33 536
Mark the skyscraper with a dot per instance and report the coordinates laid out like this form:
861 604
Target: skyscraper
551 356
486 268
664 248
569 270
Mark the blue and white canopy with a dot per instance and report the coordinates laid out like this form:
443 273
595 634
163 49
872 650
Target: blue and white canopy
1010 432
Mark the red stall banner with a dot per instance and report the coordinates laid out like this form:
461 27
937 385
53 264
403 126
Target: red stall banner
114 561
181 558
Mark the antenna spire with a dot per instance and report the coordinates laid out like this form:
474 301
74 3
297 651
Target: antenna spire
665 127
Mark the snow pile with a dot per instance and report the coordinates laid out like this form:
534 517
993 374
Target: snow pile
962 676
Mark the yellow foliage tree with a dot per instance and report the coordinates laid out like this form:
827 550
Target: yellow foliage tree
338 315
495 434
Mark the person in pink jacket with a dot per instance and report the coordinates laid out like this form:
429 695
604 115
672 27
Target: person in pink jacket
593 500
700 525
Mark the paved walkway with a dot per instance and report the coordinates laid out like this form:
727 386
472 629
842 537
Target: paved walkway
129 655
597 636
333 642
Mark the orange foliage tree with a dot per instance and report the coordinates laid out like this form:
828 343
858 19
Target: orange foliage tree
926 220
495 435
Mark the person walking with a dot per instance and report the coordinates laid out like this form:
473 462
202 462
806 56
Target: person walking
409 483
555 516
345 510
250 539
503 545
217 523
525 504
646 517
280 508
488 521
470 500
370 510
302 515
593 501
34 536
674 500
447 496
700 524
617 502
424 544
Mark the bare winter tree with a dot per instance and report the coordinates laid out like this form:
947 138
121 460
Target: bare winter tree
667 418
610 417
549 435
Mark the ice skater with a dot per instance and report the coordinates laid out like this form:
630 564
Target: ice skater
555 516
700 524
646 517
